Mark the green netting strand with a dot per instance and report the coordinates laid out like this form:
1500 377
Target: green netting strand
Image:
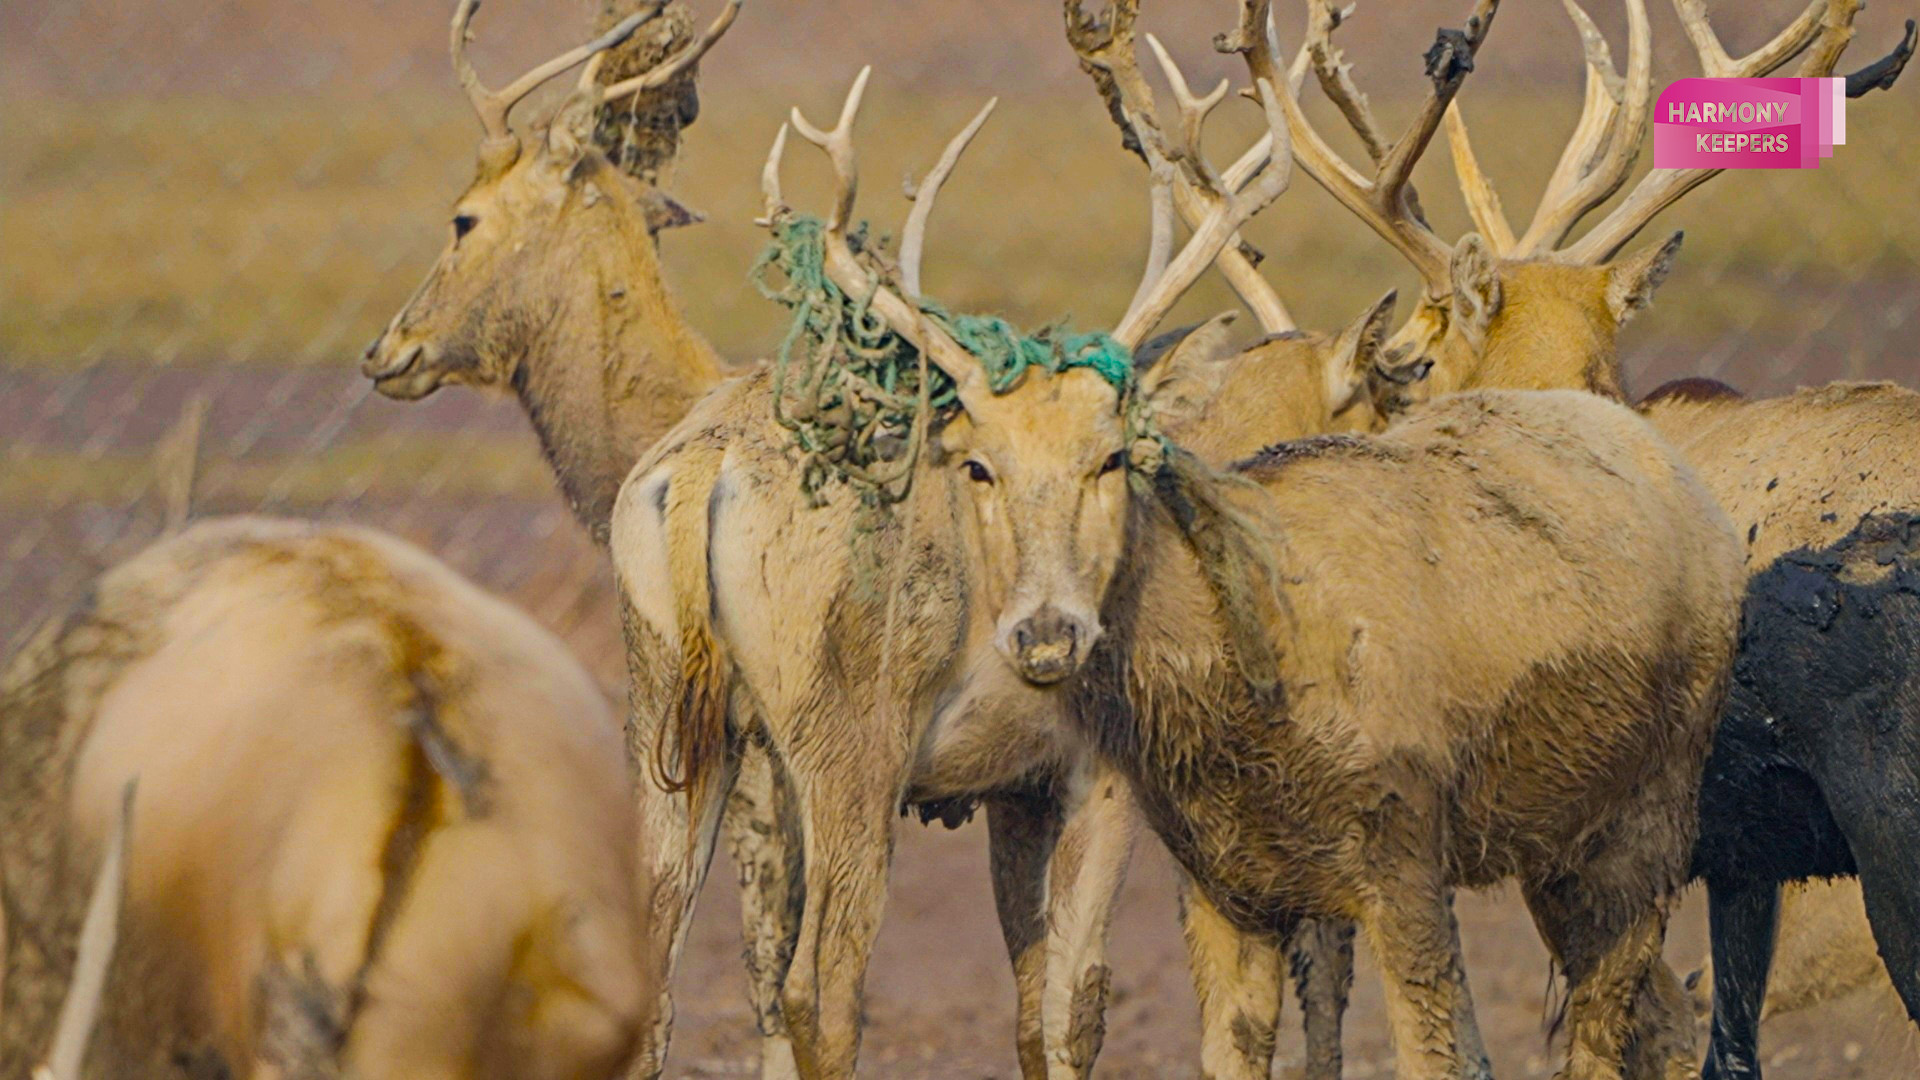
858 397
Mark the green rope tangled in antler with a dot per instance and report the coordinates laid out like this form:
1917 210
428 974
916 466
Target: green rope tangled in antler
859 398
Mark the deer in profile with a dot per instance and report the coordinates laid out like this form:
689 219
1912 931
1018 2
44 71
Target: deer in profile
1529 309
551 289
383 826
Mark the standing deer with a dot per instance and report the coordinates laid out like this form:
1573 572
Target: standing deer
905 697
551 289
383 825
1530 310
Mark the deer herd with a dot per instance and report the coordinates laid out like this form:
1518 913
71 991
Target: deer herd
1350 620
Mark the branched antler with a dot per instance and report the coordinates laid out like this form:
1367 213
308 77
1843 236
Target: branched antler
1822 31
668 69
1383 200
1107 51
492 106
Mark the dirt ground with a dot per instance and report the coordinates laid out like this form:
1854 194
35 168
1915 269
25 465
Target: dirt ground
940 999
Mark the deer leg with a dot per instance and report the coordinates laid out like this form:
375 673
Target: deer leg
847 792
1083 882
758 827
1411 932
1022 830
1320 956
1743 919
1625 1013
1237 977
676 838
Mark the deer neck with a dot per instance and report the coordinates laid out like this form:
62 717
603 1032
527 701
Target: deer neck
612 368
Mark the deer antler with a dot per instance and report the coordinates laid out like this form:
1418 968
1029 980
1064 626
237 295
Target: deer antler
1382 201
492 106
1107 51
1826 25
842 265
667 69
913 238
1212 235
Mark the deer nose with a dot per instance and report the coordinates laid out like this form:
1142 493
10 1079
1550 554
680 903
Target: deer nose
1046 645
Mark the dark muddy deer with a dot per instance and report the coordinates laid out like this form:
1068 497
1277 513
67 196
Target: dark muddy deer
383 823
1532 310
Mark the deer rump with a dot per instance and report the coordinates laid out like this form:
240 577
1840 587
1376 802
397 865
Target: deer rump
1512 615
381 821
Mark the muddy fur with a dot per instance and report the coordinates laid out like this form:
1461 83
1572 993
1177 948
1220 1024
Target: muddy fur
1816 769
1390 763
405 739
860 719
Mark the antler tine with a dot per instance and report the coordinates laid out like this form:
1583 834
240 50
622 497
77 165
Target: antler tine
1152 303
1106 50
1381 201
492 106
913 238
1714 60
844 267
1661 188
1483 202
838 144
99 930
664 72
1606 142
775 205
1160 181
1193 110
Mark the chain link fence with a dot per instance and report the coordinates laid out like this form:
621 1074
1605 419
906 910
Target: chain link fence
224 200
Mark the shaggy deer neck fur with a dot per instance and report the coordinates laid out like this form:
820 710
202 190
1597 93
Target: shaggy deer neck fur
613 363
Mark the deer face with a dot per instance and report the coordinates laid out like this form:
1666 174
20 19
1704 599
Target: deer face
520 242
1523 324
1043 473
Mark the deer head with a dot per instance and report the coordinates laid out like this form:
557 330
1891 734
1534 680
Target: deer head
541 207
1531 310
1041 469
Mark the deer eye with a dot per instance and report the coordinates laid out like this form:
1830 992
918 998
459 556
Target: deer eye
1115 460
463 224
977 472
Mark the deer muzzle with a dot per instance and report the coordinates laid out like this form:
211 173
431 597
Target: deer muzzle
1048 645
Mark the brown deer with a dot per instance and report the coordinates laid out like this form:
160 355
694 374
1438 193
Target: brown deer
1042 524
1530 310
552 264
551 289
712 528
1186 182
383 826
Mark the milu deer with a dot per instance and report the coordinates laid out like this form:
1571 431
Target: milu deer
1638 574
1185 181
904 697
1532 311
383 825
551 289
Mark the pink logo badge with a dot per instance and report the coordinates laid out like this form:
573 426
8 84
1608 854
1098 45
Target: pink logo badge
1749 123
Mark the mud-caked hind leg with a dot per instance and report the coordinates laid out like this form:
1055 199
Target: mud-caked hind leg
1743 918
762 836
1320 958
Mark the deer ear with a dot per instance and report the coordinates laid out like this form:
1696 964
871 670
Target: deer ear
1350 362
1477 293
1181 383
664 213
1631 281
